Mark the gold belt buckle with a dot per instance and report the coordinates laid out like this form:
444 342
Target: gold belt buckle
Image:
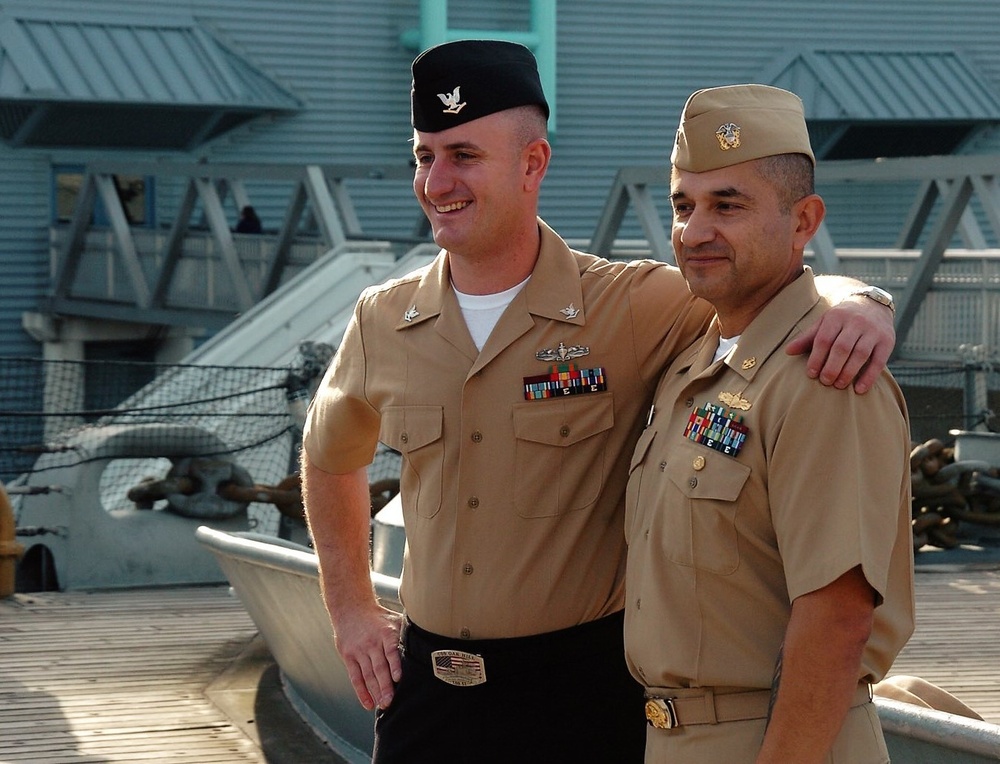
660 713
458 668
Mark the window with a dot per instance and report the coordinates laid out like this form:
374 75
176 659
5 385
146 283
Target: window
135 192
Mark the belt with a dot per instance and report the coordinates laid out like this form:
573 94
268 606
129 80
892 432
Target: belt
703 706
469 662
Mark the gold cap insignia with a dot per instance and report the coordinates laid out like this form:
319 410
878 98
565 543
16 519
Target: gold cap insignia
729 136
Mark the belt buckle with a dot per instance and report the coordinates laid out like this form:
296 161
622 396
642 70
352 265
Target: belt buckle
458 668
660 713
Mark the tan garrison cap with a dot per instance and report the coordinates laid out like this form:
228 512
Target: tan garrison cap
736 123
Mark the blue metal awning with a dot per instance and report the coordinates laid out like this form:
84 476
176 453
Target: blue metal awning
89 79
886 86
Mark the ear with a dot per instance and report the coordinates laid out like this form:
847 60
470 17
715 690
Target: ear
536 162
807 215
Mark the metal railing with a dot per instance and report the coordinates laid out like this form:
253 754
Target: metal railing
197 272
945 297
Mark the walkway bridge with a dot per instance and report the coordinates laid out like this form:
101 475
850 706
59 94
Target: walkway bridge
946 296
196 272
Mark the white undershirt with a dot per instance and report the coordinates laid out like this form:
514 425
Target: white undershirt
726 345
482 311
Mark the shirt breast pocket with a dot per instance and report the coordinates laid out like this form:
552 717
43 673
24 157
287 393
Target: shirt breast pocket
560 459
702 531
415 431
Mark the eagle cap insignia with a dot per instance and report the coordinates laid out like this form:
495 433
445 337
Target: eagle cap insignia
735 401
570 311
562 353
729 136
411 314
451 101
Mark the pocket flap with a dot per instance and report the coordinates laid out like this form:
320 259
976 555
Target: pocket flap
405 428
563 422
720 477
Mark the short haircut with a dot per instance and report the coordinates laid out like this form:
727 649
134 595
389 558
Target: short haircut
530 124
791 175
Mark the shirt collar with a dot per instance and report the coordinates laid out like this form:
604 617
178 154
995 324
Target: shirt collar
553 291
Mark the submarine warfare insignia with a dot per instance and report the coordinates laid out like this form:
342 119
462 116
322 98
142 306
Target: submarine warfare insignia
411 314
570 312
735 401
711 425
562 353
564 378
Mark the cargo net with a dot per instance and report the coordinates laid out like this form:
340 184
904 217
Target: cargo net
206 442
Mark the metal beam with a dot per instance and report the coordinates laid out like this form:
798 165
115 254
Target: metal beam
72 250
174 249
952 207
219 225
651 223
123 237
323 206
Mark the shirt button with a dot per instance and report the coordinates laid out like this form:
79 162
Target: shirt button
473 502
638 603
467 569
663 466
699 463
465 633
692 482
564 430
404 437
477 437
689 402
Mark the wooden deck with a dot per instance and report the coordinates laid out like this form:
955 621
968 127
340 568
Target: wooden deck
956 644
148 675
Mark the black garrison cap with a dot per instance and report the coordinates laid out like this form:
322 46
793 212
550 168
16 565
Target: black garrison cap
457 82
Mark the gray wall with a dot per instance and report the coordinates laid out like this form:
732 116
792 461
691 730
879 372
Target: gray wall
623 69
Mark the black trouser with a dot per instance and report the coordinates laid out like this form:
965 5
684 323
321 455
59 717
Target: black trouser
565 696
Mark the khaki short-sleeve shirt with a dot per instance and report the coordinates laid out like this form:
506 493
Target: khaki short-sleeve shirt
754 485
513 504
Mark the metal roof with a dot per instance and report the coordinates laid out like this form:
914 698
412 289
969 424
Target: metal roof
84 78
886 86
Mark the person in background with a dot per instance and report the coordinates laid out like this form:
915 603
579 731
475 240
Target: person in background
770 561
248 222
510 374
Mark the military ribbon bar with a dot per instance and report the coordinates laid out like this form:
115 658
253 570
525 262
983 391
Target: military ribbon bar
564 380
717 428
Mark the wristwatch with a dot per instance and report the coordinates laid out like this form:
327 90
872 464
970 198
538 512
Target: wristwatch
879 295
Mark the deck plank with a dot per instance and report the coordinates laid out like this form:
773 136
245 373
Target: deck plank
121 675
955 644
115 676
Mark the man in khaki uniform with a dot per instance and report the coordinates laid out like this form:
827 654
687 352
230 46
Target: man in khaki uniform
770 564
510 373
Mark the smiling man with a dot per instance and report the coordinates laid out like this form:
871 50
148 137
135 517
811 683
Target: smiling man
511 374
770 563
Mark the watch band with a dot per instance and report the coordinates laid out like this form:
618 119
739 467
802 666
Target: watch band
879 295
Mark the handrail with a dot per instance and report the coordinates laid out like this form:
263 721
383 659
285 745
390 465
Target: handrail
940 211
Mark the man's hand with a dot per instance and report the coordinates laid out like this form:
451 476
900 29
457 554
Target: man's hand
365 634
852 341
369 646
